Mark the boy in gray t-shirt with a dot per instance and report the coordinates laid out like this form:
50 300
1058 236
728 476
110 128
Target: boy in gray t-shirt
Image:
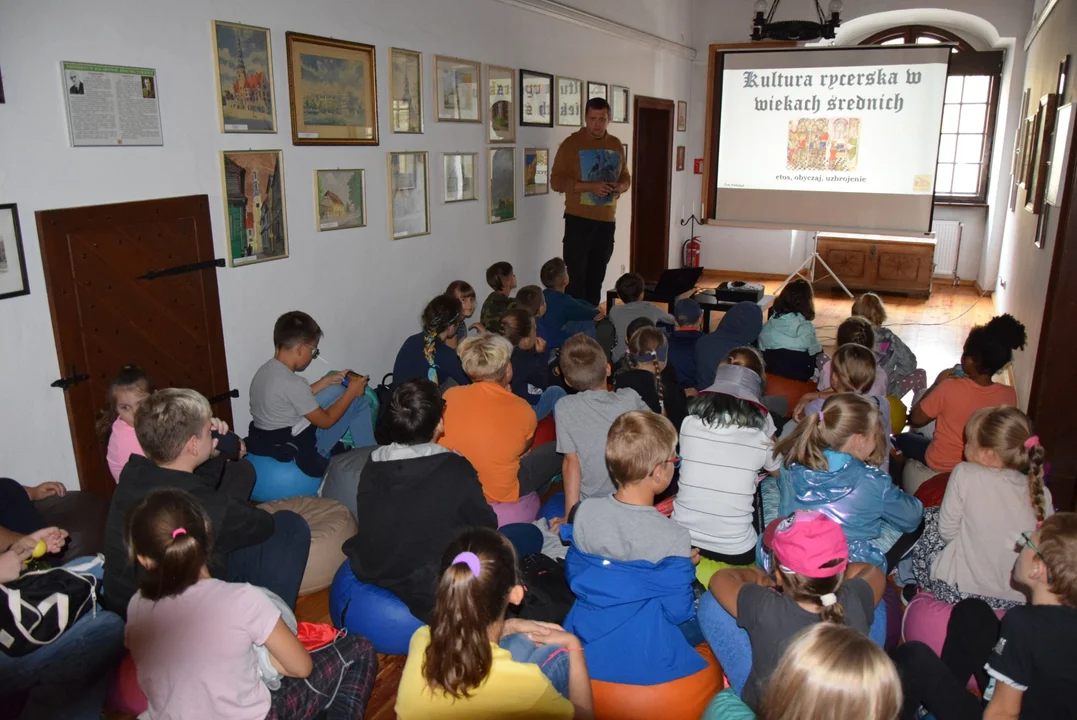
630 291
584 419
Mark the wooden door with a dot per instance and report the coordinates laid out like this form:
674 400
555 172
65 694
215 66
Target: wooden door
652 169
111 304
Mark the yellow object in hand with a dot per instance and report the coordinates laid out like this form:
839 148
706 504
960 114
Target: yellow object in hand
39 550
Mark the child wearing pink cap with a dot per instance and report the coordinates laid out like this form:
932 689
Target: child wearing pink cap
810 580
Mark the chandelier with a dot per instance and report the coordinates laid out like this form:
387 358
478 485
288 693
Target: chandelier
764 27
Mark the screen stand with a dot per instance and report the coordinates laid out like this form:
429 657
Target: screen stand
809 266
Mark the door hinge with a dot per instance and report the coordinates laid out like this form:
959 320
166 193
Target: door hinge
181 269
233 393
73 379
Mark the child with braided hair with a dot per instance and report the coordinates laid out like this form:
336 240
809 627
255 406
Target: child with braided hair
431 354
649 374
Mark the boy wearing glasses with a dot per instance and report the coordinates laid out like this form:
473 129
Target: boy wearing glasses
294 420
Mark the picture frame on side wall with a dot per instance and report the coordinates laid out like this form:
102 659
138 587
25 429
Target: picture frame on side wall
570 102
1037 174
333 89
13 278
1060 150
682 116
500 104
243 59
501 190
618 104
457 89
340 199
458 182
597 89
405 91
1027 135
536 99
680 158
409 199
256 220
536 171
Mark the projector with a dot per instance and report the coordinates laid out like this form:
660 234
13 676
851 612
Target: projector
737 291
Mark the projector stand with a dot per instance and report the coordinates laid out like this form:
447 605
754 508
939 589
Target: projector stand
809 265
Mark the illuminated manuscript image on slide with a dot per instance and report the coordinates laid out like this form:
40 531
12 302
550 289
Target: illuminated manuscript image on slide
823 144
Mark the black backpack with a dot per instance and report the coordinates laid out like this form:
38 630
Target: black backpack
548 597
38 606
384 393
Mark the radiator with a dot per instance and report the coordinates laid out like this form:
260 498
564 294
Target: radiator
947 247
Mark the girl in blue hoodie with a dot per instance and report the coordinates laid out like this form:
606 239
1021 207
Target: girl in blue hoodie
788 340
831 465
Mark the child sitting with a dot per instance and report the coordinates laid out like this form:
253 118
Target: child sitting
502 280
895 357
788 338
649 374
630 566
989 500
630 291
530 298
430 354
960 392
473 662
739 327
810 580
491 427
831 465
295 420
725 441
117 423
857 331
462 291
192 637
564 312
530 362
682 344
1028 656
174 428
584 419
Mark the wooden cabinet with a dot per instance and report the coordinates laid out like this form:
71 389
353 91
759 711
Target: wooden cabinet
881 263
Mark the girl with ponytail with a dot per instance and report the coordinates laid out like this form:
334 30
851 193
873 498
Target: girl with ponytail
650 375
191 636
431 354
991 498
808 579
472 662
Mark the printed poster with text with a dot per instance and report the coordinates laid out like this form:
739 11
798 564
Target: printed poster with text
111 105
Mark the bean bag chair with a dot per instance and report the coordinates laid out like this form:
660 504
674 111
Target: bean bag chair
915 474
524 510
554 507
330 525
546 432
276 480
926 619
685 698
791 390
898 414
124 694
372 612
931 492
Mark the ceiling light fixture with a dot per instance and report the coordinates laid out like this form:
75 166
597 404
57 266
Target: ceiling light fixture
764 27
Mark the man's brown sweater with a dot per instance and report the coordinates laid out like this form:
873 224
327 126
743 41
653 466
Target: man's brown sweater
582 158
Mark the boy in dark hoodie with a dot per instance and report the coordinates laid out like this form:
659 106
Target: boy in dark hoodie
174 427
682 343
740 326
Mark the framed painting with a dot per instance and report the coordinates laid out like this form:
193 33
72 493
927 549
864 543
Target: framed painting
501 195
536 99
1040 159
409 200
536 171
1060 150
680 158
624 149
256 224
333 88
500 98
570 101
13 281
457 89
1029 125
405 91
459 179
682 116
244 61
618 104
597 89
340 199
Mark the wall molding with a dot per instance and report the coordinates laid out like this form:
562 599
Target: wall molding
554 9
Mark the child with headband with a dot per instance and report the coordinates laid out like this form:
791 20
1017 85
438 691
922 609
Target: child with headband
191 636
649 374
472 662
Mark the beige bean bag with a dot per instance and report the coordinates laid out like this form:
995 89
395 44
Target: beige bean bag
330 525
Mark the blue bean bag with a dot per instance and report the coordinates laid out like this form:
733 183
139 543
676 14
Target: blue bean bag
276 480
554 507
372 612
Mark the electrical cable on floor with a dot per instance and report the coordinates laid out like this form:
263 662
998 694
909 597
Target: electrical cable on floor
924 324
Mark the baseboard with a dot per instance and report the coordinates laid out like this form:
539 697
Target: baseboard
975 284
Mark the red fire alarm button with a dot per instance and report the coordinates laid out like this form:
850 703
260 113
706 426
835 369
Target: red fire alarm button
699 166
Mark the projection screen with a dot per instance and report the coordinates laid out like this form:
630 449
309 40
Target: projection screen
842 139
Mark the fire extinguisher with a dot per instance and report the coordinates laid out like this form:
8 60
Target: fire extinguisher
690 252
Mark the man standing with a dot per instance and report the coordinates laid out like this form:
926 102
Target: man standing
590 169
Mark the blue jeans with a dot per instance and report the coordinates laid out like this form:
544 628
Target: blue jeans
278 563
68 679
547 400
552 659
732 647
356 418
913 445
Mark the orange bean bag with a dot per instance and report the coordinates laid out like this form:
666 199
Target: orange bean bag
683 699
791 390
931 492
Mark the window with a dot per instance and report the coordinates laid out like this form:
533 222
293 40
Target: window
968 118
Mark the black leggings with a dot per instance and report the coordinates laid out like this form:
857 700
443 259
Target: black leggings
939 684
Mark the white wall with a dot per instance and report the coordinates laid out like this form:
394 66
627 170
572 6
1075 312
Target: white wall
997 23
364 289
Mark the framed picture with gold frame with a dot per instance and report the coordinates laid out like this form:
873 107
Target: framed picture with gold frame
459 181
405 91
1039 161
333 90
536 171
340 199
409 194
457 90
500 104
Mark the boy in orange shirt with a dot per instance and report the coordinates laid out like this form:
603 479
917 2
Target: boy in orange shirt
493 428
